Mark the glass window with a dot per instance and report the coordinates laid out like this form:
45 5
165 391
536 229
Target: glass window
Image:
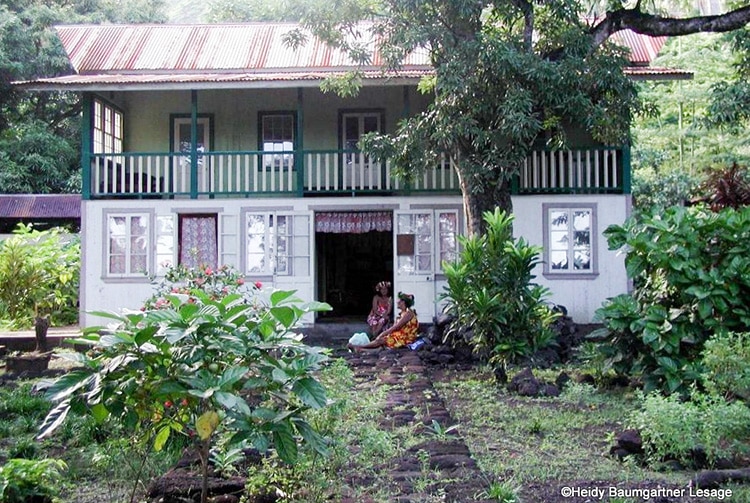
277 135
127 245
277 244
569 240
107 129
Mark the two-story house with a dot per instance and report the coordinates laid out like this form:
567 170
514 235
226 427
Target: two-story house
214 144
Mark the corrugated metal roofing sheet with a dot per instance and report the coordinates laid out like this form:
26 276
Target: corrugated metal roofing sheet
248 46
40 206
643 49
170 48
239 55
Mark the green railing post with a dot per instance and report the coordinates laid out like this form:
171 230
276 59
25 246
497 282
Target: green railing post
299 160
626 173
86 147
194 144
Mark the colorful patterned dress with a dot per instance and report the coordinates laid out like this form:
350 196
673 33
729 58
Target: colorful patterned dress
404 335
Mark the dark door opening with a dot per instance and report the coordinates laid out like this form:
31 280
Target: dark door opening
349 266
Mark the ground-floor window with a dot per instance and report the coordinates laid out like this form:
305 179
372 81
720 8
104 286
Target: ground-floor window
198 244
570 231
127 250
277 244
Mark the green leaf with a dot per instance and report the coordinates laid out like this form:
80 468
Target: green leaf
54 419
100 412
280 296
232 402
285 315
232 375
311 392
283 441
161 438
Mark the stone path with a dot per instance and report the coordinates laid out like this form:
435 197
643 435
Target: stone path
412 400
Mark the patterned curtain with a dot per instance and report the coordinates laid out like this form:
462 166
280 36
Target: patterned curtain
353 222
198 246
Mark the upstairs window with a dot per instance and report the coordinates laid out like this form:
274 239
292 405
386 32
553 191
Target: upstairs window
107 129
277 135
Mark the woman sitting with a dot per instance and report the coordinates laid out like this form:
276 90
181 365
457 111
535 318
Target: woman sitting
382 306
403 332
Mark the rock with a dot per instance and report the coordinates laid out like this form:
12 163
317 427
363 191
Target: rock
562 380
627 442
549 390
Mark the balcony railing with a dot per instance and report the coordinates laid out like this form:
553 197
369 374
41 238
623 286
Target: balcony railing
331 172
595 170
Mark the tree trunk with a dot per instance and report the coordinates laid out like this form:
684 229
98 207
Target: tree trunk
476 202
41 324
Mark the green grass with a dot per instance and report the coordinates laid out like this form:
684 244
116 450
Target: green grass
541 439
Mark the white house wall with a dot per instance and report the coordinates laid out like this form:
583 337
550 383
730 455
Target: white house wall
580 296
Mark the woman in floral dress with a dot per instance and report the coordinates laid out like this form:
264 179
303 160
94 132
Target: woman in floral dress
403 332
382 305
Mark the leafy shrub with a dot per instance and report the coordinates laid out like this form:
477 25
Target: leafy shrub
40 276
202 365
691 273
673 429
495 306
726 358
23 480
653 191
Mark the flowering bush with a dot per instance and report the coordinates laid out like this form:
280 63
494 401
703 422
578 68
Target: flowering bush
202 360
214 282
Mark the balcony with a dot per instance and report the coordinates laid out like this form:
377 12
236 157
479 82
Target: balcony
310 173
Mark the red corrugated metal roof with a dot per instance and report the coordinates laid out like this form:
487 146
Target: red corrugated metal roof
214 47
643 49
40 206
233 55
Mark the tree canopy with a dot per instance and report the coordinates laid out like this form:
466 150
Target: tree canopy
509 76
39 132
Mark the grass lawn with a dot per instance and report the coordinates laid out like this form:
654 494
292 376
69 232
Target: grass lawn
530 449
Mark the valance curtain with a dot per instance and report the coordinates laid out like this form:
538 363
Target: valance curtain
353 222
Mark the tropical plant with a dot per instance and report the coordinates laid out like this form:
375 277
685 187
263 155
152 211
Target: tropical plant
727 188
202 367
39 272
673 428
726 362
691 272
24 480
494 305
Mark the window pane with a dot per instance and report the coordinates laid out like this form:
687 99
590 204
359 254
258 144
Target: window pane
582 220
558 220
558 260
372 124
582 260
117 264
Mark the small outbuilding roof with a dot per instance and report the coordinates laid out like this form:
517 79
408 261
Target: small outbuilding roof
35 206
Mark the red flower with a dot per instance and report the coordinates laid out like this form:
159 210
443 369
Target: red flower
208 271
184 402
241 281
258 285
168 404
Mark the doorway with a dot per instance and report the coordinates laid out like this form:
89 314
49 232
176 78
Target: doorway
350 263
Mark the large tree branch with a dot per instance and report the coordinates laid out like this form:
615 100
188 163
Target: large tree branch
649 24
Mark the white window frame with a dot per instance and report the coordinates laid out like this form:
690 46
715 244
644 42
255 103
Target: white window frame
433 251
284 147
107 128
279 250
129 273
570 272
